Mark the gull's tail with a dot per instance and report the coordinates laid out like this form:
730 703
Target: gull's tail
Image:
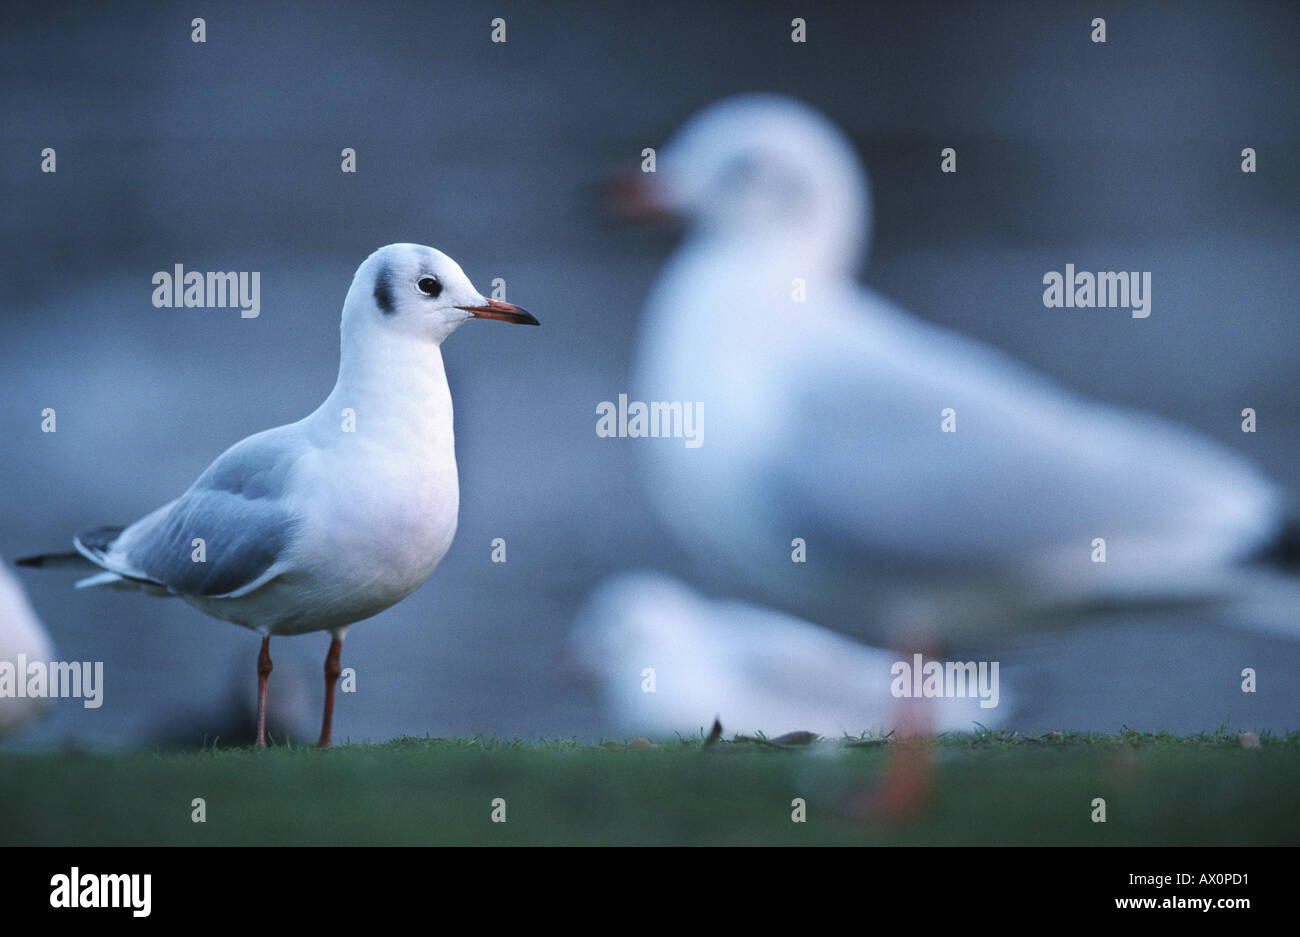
76 562
91 543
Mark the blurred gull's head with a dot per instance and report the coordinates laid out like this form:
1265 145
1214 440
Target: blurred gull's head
761 169
627 617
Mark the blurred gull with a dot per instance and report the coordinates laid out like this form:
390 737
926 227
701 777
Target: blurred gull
824 421
755 669
21 632
318 524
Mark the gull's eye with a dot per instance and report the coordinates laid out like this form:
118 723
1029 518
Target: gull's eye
429 286
740 171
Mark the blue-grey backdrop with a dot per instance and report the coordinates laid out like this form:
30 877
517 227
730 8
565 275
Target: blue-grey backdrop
226 155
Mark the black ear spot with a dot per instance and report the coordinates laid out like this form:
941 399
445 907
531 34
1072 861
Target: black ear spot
384 291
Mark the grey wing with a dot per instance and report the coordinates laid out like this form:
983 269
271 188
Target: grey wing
1031 467
225 536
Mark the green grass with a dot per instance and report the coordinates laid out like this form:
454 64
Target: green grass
992 788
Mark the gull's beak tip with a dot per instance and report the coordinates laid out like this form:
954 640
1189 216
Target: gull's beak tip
502 312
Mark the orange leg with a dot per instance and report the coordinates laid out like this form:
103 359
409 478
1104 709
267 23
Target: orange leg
263 673
906 786
331 678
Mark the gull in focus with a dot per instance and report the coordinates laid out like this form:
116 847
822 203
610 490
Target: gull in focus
753 668
321 523
21 632
826 405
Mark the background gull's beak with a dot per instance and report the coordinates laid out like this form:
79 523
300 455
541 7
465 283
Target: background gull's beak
506 312
636 197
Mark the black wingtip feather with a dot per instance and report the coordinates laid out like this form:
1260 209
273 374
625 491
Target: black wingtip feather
55 561
1284 549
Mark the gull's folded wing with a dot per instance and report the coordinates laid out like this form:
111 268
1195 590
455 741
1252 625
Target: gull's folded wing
1032 472
223 537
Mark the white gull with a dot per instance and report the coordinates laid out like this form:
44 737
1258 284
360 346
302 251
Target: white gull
321 523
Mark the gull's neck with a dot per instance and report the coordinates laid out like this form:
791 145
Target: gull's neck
397 388
804 251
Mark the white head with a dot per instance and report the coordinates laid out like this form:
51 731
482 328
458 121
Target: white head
631 617
763 168
418 292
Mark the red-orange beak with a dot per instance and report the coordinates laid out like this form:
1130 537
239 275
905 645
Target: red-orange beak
635 196
505 312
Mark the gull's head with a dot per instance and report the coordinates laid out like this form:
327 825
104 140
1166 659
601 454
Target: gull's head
630 619
759 167
420 292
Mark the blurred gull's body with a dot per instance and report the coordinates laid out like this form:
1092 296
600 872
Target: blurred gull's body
21 632
755 669
825 420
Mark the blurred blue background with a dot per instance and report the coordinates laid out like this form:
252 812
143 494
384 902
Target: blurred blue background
226 156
